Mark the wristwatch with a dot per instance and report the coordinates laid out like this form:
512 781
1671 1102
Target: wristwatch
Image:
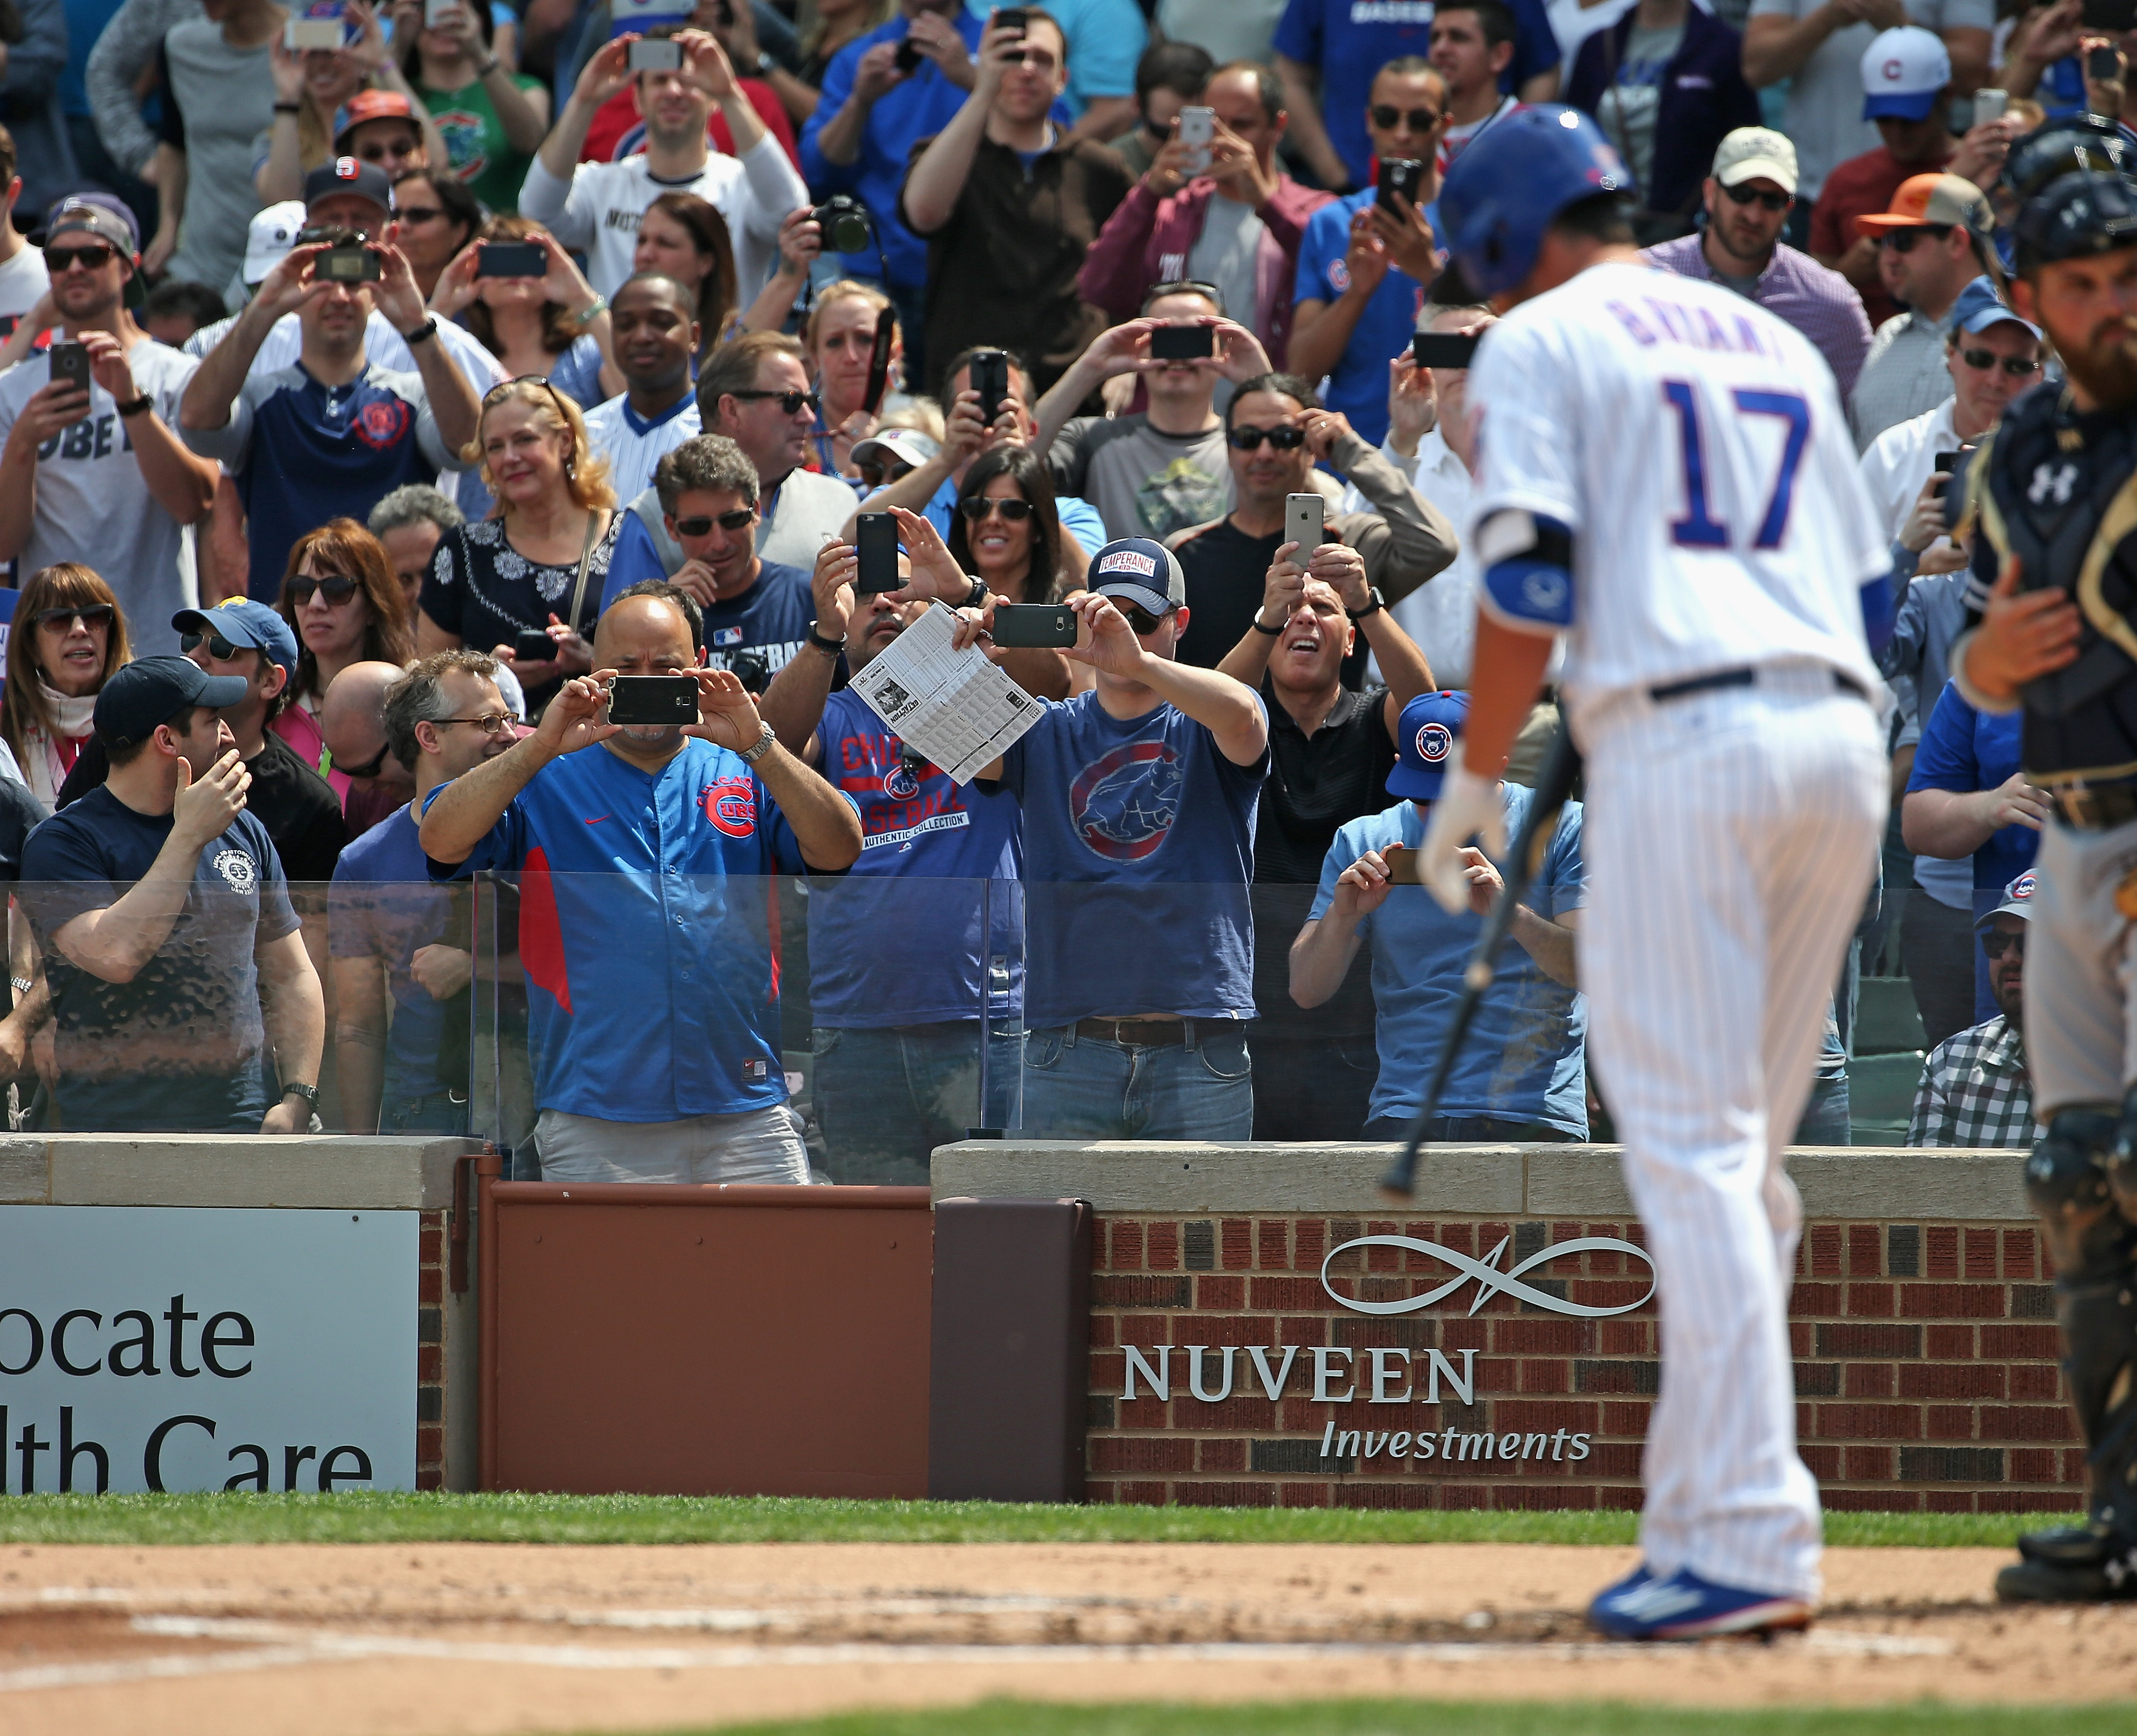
591 311
1374 607
829 647
751 755
136 407
1256 624
765 63
977 596
428 329
309 1093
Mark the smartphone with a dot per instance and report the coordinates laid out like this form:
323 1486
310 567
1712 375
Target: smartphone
990 377
1009 17
907 60
655 55
300 34
1399 178
1402 864
653 699
532 647
435 10
2110 17
2103 66
511 259
876 541
1948 463
1989 105
1182 342
879 373
1020 625
1197 128
350 263
1443 349
725 13
1303 517
71 365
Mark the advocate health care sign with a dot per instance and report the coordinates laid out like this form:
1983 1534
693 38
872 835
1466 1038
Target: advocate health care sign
150 1347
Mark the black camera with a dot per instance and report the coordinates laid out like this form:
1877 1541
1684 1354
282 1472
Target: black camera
843 221
752 669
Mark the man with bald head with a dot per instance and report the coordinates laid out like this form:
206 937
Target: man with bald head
642 850
353 721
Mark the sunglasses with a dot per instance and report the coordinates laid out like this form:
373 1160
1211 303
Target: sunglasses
491 723
419 213
1388 118
734 521
90 614
2018 367
1248 438
791 402
978 507
1902 240
1749 195
1996 943
396 150
1141 619
218 647
369 768
336 588
90 259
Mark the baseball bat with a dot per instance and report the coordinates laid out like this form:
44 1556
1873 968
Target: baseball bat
1561 766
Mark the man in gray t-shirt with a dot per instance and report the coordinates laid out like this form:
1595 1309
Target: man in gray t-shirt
1817 45
220 99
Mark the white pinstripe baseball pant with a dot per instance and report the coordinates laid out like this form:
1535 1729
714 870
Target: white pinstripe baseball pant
1731 839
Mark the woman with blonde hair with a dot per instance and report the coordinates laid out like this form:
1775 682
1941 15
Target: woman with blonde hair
344 603
312 86
538 566
68 640
839 337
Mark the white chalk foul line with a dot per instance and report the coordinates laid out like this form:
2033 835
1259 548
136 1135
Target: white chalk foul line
168 1668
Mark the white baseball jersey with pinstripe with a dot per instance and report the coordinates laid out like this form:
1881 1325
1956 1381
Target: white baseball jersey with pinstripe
1696 448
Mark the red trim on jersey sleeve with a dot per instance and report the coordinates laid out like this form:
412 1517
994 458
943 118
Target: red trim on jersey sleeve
541 934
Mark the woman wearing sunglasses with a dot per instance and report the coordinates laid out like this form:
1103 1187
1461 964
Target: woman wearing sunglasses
343 601
68 640
538 566
553 325
434 219
1006 528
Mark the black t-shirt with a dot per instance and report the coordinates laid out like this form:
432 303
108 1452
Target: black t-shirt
1226 571
178 1047
20 814
483 589
1316 784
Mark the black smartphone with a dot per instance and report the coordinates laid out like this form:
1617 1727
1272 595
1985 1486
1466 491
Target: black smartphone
656 54
1947 462
1009 17
350 263
2103 65
1443 349
1398 180
725 13
533 647
653 699
1021 625
989 371
907 60
876 541
511 259
1182 342
2111 18
879 373
69 365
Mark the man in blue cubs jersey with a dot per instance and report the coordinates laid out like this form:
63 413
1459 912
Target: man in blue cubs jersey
647 910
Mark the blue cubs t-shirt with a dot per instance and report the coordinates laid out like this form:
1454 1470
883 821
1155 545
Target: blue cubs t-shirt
648 923
1350 41
1358 386
177 1048
898 940
1522 1061
381 905
1138 845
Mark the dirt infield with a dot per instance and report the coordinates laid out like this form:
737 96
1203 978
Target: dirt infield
353 1640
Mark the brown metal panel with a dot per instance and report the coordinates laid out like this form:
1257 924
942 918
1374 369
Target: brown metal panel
688 1341
1011 1337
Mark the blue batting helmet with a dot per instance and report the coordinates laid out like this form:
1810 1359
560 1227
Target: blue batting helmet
1512 179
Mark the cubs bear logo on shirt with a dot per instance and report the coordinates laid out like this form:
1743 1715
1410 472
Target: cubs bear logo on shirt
899 781
730 803
1123 805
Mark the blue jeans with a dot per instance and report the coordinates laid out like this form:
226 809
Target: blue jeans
886 1096
1085 1088
1825 1116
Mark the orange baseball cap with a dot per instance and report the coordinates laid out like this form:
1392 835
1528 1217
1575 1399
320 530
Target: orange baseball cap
1944 201
369 105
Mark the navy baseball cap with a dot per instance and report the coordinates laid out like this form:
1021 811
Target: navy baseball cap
152 690
340 175
107 218
243 621
1425 744
1978 307
1140 572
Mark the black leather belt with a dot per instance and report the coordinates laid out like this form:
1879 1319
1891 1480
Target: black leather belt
2097 810
1148 1034
1746 676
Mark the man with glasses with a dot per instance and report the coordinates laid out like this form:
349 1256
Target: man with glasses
401 967
1749 197
1977 1091
1935 240
101 477
1365 265
1276 432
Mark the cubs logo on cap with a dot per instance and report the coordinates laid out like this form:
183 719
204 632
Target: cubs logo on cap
1432 723
2017 901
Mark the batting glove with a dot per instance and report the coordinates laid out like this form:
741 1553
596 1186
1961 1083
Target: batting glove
1468 807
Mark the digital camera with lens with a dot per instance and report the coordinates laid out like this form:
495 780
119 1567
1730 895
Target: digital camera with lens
843 221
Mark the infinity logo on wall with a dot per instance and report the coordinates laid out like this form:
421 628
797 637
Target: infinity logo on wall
1490 1280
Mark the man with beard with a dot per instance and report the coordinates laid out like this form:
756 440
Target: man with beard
2045 489
1975 1091
1749 198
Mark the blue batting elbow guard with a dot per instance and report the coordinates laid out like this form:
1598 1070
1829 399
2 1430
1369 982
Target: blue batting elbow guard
1877 613
1528 580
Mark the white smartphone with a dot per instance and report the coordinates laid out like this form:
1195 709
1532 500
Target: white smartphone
435 10
1197 128
1989 105
655 54
300 34
1303 517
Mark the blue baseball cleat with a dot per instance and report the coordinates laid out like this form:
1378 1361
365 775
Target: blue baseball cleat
1684 1607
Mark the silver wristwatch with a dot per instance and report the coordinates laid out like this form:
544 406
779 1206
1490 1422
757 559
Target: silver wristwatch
751 755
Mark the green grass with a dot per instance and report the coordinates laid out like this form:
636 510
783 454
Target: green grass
1430 1718
631 1519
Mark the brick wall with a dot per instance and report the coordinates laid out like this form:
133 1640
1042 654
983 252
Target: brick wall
1924 1365
430 1260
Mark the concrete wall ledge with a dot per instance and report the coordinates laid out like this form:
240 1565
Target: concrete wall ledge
338 1172
1837 1182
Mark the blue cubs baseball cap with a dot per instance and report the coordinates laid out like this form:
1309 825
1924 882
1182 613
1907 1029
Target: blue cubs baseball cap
1425 744
1138 571
242 622
1978 307
151 690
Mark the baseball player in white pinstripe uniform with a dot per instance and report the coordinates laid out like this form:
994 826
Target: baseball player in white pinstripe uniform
1667 478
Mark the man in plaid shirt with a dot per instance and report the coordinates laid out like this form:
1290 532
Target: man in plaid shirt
1975 1090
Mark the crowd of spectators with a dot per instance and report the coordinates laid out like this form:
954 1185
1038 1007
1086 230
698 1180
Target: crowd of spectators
364 408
